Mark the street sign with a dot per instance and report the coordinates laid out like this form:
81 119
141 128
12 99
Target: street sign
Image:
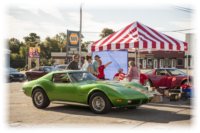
73 38
34 52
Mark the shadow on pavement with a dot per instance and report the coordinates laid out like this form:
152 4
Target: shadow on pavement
141 114
181 104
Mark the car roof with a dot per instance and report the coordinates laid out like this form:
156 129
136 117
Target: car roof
62 65
165 68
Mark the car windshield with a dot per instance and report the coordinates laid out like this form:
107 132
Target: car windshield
61 67
149 72
13 70
176 72
48 69
82 76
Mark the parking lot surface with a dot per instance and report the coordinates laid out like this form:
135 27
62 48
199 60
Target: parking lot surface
22 113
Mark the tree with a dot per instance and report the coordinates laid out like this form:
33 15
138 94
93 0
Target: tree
61 40
16 61
22 52
84 46
105 32
32 40
14 45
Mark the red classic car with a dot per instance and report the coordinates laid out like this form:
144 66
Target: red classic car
167 78
38 72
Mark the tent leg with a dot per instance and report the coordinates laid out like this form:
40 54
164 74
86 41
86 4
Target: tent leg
188 67
139 63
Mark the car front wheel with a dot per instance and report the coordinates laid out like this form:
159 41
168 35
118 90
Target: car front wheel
40 99
99 103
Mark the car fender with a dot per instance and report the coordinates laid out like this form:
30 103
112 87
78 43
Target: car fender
111 94
97 89
42 85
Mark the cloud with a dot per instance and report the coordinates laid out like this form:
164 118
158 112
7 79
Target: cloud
22 21
181 24
48 21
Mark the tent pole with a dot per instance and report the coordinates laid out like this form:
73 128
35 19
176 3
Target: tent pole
188 66
139 63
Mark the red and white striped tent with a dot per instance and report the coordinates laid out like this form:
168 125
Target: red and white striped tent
140 36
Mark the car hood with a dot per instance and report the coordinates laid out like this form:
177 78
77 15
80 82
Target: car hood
127 89
16 73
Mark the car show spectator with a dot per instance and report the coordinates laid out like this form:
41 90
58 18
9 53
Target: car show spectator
119 75
95 64
73 65
101 74
88 66
133 72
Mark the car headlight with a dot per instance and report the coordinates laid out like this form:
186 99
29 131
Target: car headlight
129 101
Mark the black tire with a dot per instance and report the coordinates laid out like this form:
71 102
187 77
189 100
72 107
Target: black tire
105 103
40 99
186 82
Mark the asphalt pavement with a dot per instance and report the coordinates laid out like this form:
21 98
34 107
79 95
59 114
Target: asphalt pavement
22 113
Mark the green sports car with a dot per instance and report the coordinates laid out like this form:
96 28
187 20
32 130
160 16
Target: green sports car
82 87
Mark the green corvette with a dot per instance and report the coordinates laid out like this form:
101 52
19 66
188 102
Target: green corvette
82 87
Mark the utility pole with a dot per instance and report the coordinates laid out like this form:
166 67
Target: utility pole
80 32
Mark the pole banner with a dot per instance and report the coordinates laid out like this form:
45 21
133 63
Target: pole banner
34 52
73 38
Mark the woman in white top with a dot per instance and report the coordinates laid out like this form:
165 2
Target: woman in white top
88 66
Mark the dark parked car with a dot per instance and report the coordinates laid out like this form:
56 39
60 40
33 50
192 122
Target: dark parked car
61 67
36 73
15 75
167 78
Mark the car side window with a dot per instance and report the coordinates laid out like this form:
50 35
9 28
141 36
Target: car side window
160 72
40 69
61 78
46 69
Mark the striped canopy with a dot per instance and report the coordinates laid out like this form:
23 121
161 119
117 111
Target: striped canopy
137 35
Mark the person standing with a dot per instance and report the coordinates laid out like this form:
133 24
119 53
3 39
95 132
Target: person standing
133 72
73 65
120 75
88 66
95 64
101 74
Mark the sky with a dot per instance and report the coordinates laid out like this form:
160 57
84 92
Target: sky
50 20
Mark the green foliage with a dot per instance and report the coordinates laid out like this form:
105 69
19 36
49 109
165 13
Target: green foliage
19 50
105 32
16 61
14 45
32 40
22 52
84 46
61 40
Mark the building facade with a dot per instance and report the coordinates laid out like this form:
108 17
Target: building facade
159 59
149 60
